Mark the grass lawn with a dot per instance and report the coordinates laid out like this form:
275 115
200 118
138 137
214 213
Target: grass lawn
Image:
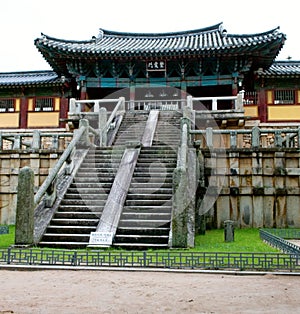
7 239
245 240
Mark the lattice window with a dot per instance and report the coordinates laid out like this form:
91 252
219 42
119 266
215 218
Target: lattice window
284 96
44 104
7 105
250 98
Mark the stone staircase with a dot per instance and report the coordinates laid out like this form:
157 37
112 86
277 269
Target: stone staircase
145 220
146 217
131 128
81 207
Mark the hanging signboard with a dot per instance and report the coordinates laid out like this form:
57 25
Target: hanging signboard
156 65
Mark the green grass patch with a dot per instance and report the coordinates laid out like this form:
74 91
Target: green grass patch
7 239
245 240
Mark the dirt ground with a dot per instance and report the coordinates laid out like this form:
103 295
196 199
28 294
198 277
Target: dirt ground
85 291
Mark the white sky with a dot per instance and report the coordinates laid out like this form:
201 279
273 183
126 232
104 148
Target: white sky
22 21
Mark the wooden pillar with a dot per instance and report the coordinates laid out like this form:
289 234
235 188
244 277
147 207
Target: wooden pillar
23 113
262 106
63 113
234 87
83 91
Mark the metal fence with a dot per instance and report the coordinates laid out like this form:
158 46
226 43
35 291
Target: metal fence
141 259
276 238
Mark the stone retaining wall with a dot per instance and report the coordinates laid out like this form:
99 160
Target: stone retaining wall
259 188
10 164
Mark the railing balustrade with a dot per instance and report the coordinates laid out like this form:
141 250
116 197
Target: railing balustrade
156 104
249 138
34 140
238 101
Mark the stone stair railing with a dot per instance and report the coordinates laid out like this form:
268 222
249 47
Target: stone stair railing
63 170
98 111
184 188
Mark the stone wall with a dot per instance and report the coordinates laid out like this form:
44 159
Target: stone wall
253 188
10 164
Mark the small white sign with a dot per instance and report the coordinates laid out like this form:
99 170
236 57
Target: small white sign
101 238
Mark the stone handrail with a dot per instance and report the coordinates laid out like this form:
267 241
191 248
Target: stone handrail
80 136
178 231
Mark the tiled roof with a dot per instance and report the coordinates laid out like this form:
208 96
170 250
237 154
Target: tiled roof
282 68
208 41
30 78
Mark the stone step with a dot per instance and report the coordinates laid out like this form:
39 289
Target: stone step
144 223
148 209
86 190
140 246
145 216
71 229
138 239
148 190
66 237
147 202
84 203
86 196
80 208
74 222
83 178
96 172
77 215
87 185
138 184
148 197
66 245
143 230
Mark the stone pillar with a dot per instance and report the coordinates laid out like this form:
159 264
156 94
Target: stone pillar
180 211
102 120
132 95
229 231
25 208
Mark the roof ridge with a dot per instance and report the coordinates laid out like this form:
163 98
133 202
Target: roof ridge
273 30
215 27
28 72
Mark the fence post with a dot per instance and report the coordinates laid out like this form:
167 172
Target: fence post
209 138
25 207
233 137
36 139
278 139
239 101
255 137
17 142
72 105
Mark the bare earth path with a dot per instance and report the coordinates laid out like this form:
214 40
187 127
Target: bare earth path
62 291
